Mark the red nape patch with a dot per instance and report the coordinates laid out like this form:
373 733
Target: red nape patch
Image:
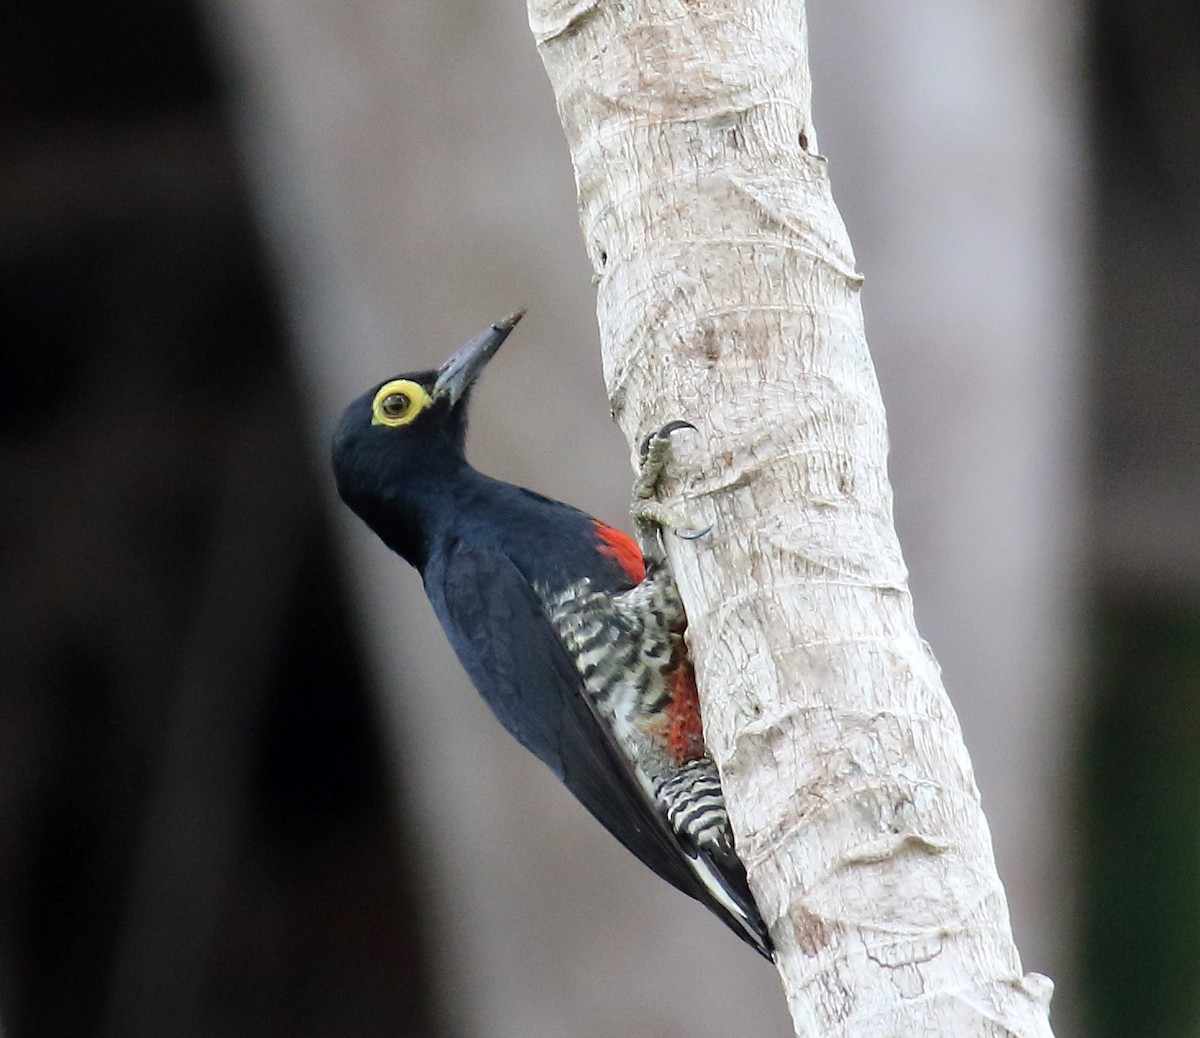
685 736
623 548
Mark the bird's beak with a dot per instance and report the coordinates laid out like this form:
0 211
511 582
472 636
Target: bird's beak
460 371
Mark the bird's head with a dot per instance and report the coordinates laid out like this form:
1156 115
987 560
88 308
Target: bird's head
411 428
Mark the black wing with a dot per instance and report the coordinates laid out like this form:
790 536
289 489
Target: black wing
498 628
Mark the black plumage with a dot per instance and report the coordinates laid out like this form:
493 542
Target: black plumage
492 556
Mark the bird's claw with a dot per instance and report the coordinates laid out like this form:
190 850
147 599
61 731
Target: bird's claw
649 514
653 453
660 439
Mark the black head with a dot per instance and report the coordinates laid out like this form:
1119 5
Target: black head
398 439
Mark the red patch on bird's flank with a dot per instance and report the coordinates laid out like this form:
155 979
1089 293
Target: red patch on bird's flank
623 548
685 735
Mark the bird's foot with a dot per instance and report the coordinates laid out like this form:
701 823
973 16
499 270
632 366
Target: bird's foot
650 515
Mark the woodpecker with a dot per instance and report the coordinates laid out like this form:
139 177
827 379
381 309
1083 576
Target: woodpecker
572 634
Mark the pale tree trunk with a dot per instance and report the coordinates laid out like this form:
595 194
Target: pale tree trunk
728 296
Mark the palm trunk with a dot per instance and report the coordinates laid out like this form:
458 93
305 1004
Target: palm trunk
727 295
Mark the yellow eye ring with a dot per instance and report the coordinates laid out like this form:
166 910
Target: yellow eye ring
398 402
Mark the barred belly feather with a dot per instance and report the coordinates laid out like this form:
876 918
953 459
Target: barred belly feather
630 652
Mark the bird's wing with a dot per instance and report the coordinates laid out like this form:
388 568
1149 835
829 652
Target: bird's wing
496 623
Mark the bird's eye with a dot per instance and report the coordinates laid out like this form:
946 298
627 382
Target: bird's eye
398 402
395 405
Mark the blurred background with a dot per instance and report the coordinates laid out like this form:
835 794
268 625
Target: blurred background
245 789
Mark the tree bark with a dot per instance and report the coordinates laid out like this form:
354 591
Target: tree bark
727 295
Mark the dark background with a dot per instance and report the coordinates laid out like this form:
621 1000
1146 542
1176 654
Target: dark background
194 824
195 821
